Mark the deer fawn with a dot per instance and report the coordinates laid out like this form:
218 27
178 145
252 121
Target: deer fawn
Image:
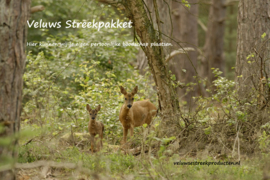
134 114
95 127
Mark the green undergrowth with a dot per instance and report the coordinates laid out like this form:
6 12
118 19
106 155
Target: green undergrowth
116 164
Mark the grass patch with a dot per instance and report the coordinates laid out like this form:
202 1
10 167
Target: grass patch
118 165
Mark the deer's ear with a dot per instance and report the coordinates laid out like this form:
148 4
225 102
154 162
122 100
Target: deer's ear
123 91
98 107
135 90
88 107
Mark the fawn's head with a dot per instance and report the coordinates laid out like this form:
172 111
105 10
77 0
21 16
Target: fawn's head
93 112
129 97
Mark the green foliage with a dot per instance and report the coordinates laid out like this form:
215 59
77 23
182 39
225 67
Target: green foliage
225 115
60 80
58 91
63 10
164 144
227 98
251 56
208 130
186 3
7 146
264 142
263 35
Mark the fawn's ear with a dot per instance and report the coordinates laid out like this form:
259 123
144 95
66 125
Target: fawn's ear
123 91
88 107
98 107
135 90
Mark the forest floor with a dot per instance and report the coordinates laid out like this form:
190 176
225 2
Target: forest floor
62 157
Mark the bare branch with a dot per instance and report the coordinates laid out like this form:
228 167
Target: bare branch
179 51
37 9
115 3
202 25
157 17
149 12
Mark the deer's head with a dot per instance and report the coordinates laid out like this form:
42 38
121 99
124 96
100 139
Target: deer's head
93 112
129 97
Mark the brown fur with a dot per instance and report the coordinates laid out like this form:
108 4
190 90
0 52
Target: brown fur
95 127
139 113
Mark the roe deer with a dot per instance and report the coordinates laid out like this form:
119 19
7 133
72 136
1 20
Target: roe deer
134 114
95 127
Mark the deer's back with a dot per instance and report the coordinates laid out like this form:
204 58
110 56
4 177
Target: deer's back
143 112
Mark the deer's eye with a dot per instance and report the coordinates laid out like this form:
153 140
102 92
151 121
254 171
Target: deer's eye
95 114
132 99
125 98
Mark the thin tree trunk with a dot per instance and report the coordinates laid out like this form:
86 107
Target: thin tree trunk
214 43
185 30
174 63
13 30
164 8
252 50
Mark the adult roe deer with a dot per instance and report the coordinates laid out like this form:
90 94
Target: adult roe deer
95 127
134 114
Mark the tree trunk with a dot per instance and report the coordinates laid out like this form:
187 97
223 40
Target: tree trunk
165 27
13 30
174 63
214 42
168 101
252 50
185 30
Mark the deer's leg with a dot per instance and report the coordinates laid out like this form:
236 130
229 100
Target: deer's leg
131 131
150 125
101 140
101 144
102 131
97 143
125 135
92 143
101 137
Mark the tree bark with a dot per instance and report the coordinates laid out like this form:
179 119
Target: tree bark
214 42
164 8
252 49
185 30
13 30
182 29
167 97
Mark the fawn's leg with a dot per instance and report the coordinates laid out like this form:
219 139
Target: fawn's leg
92 143
101 137
97 143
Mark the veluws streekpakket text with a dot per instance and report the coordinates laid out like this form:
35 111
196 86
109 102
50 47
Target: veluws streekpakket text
75 24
